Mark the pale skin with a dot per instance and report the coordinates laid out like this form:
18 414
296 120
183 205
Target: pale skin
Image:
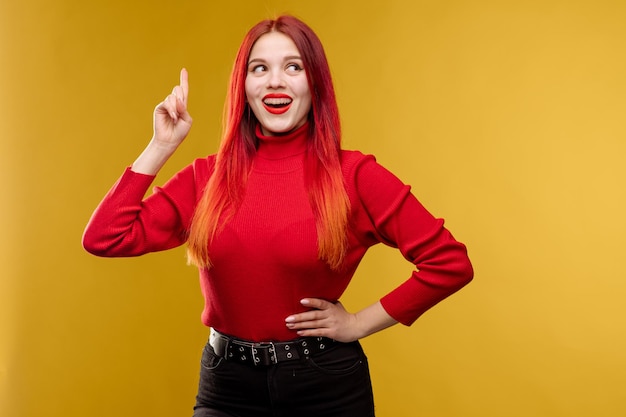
172 123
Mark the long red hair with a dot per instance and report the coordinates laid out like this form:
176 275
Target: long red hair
323 176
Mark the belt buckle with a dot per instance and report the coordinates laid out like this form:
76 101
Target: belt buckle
271 348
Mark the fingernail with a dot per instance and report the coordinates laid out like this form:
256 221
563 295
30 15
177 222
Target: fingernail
290 319
305 301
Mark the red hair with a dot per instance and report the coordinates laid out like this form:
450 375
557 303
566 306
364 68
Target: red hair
323 176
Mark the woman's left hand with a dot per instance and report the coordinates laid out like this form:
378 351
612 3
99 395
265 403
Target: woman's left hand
325 319
332 320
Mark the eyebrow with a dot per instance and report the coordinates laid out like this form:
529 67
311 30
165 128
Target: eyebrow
287 58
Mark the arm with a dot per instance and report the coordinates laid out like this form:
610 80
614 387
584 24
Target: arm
442 265
384 210
124 224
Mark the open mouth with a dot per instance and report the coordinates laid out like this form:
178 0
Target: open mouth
277 103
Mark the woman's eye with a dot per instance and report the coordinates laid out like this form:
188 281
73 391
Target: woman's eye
294 68
257 68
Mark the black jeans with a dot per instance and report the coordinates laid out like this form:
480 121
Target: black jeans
334 383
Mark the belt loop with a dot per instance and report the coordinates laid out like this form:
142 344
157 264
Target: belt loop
273 356
256 360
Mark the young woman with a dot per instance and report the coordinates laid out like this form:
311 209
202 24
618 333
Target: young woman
277 223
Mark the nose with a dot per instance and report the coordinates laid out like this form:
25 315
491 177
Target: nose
275 79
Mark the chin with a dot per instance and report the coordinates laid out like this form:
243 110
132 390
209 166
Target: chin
278 130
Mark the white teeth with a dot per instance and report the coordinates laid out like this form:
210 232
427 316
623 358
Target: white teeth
277 101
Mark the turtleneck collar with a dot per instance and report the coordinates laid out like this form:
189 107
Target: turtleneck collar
282 146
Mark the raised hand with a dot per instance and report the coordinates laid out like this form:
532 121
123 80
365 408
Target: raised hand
172 121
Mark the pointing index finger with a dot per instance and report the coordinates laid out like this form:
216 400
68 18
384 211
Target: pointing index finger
184 84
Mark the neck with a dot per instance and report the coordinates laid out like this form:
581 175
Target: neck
284 145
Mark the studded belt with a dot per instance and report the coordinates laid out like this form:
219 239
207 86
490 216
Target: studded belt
266 353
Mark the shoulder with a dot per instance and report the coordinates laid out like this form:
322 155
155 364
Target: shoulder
200 168
204 167
352 161
370 185
349 157
364 168
196 174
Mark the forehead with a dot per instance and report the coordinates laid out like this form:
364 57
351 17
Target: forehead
273 44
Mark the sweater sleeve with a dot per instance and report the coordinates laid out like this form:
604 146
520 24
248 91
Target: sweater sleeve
400 220
127 224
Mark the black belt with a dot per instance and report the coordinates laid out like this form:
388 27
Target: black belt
266 353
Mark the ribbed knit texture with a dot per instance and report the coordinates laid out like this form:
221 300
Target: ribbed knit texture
265 260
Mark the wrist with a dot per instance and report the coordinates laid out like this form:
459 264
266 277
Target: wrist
161 147
362 326
153 157
371 320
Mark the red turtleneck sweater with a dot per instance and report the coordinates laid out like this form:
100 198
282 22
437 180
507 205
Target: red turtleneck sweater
265 260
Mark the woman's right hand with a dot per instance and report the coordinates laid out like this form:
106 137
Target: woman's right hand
172 121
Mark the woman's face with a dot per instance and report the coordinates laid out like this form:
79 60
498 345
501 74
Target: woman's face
277 89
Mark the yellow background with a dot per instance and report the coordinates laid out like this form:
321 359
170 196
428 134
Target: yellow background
506 117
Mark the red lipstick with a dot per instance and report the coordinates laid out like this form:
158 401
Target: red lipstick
277 103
